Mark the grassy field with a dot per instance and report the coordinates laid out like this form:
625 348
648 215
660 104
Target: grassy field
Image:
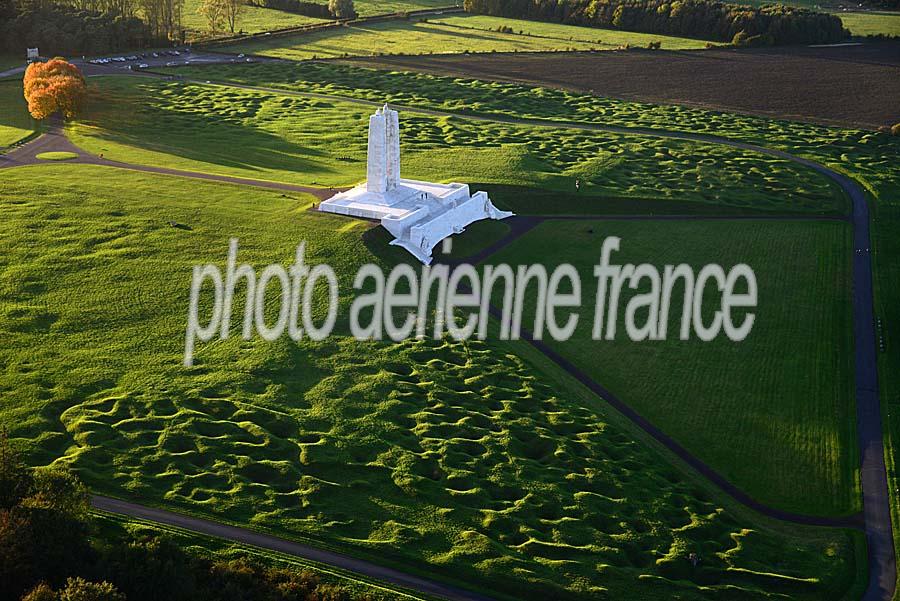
313 141
253 19
775 413
454 34
367 8
15 122
872 23
464 457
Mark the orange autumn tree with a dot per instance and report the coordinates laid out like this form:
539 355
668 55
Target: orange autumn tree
56 85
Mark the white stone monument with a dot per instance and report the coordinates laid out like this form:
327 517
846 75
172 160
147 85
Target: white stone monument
418 214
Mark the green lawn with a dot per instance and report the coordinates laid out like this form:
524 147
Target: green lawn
253 19
319 142
775 413
15 122
463 459
452 34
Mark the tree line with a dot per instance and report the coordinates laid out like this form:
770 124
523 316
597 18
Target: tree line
715 21
51 550
66 29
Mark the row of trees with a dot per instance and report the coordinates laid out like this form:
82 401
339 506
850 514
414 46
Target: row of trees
770 24
50 551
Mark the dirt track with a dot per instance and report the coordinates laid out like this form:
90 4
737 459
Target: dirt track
856 86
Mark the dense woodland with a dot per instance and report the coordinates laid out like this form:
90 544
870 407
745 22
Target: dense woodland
50 551
87 26
715 21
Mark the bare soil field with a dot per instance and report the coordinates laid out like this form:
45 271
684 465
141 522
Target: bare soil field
849 85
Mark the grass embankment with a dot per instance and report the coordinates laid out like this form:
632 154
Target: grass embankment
268 135
453 34
461 457
774 413
15 122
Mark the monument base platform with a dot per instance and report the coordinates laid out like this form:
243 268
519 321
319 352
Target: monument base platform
418 214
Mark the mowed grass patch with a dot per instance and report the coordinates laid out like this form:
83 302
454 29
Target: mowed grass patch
452 34
775 413
56 156
15 122
455 459
290 138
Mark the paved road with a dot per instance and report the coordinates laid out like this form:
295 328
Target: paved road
265 541
876 500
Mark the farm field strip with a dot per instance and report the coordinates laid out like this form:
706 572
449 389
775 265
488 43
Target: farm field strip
452 34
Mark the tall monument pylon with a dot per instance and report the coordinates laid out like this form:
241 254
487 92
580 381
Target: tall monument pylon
383 165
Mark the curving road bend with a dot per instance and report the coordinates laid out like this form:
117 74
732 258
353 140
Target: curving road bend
876 500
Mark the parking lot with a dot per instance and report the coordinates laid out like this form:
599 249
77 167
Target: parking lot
157 58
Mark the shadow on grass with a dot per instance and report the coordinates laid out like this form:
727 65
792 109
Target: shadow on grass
212 138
